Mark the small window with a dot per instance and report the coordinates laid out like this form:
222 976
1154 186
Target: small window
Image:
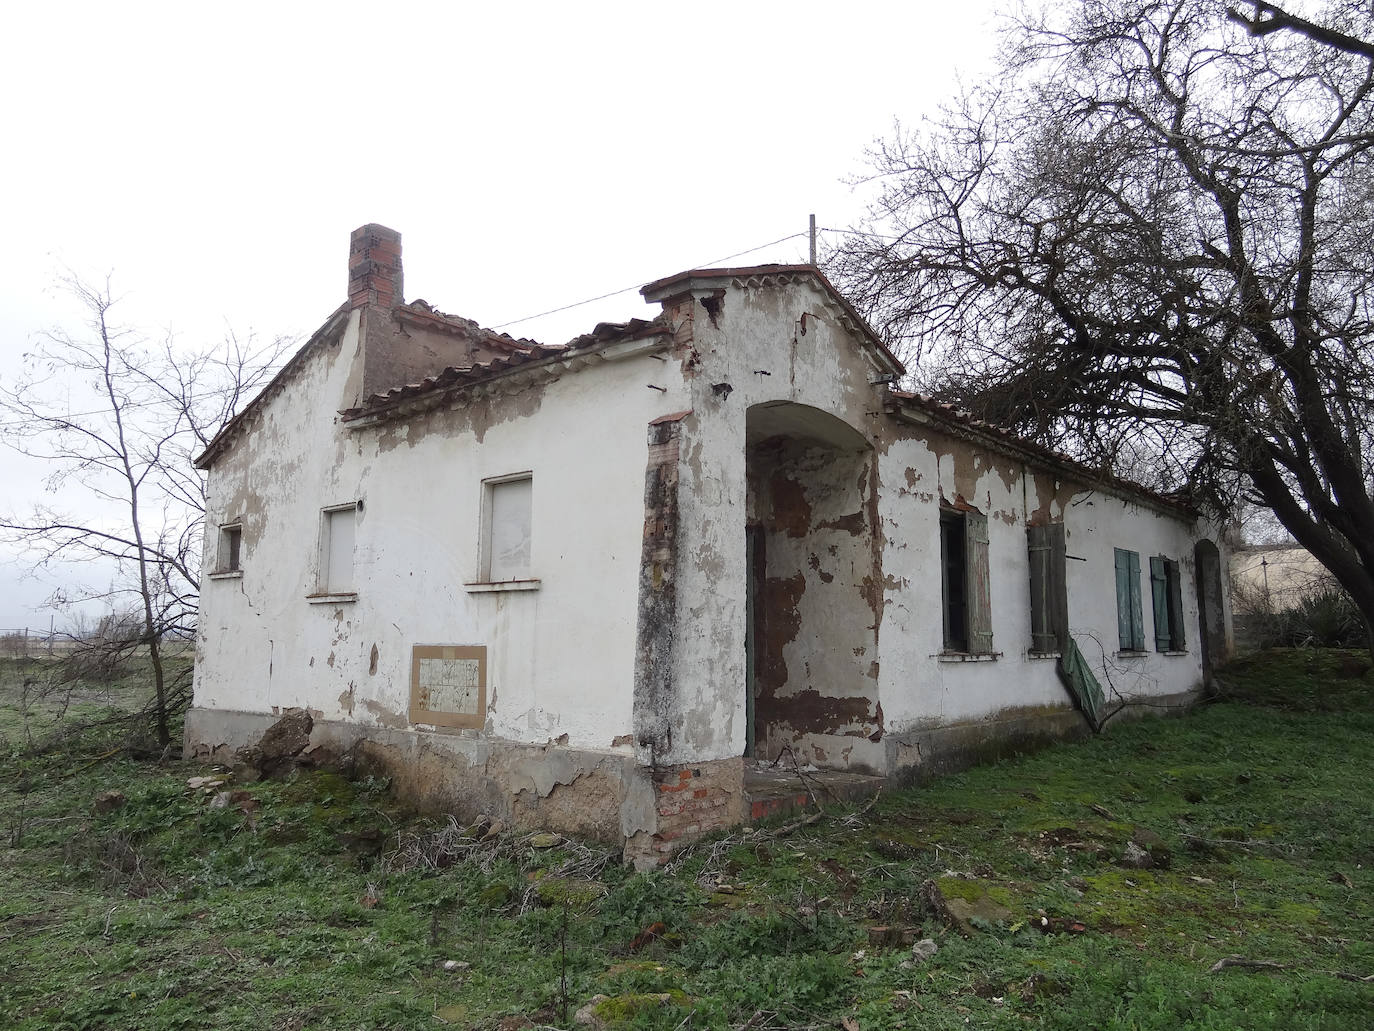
1166 592
1048 587
1129 621
965 594
337 529
230 549
506 528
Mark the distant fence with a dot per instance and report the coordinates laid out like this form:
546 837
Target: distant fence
28 643
32 643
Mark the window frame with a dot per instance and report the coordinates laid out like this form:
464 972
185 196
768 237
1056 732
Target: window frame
967 632
229 551
1166 596
486 526
325 589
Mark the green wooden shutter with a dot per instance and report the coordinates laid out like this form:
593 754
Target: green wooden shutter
1176 624
1040 552
1048 587
1123 599
1059 587
1078 677
1137 616
1159 596
1130 621
979 597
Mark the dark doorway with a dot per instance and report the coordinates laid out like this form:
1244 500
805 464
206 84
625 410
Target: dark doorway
756 570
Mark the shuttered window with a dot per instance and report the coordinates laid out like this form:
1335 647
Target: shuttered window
1166 594
964 582
979 594
1130 621
1048 587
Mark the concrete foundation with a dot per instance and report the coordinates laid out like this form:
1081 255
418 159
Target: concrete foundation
919 755
608 796
604 796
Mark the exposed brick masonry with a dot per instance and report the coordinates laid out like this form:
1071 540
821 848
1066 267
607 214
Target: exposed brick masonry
374 268
694 801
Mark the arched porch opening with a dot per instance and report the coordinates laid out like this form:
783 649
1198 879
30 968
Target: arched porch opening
814 589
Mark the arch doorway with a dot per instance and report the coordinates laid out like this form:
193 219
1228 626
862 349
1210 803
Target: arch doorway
814 588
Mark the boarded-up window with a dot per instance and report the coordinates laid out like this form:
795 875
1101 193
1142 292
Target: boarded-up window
507 522
965 593
1129 620
1049 595
1166 593
337 532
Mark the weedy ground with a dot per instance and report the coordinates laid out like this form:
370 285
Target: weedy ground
319 902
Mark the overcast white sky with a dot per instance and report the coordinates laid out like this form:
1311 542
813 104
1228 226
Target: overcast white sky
216 157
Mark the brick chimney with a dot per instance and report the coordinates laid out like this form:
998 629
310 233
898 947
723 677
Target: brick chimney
374 268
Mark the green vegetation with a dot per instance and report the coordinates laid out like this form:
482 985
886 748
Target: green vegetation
318 902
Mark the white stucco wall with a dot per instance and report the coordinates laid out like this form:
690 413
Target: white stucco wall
754 345
560 658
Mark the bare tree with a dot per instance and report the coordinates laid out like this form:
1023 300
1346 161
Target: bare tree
1264 18
1155 229
119 418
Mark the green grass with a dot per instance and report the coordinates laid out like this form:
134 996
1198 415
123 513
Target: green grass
279 910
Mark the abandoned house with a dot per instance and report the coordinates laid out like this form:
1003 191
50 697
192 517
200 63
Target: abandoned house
593 587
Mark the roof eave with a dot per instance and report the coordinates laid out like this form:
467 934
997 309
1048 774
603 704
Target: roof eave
905 410
643 342
230 429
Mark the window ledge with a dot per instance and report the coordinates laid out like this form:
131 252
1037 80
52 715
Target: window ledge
1044 655
488 586
1171 652
968 656
227 574
334 598
1132 653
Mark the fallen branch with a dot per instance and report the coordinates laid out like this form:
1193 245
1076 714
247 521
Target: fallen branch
1263 964
1246 964
1239 843
1342 975
98 759
805 781
797 825
871 803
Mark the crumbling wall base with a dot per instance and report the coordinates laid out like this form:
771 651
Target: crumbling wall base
917 755
604 796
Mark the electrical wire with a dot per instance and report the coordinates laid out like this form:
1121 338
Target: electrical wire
636 286
857 232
